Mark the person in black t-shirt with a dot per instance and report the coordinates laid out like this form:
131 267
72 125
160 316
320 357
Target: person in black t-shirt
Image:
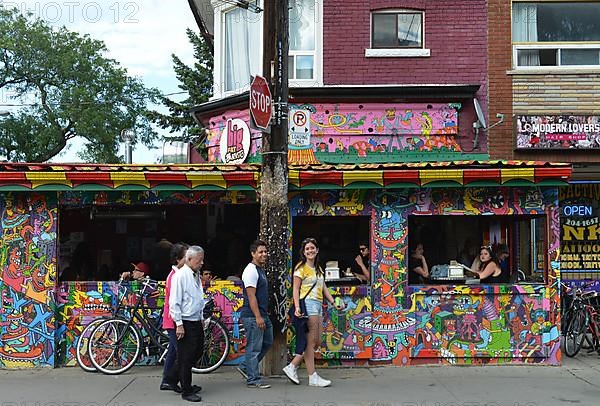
361 268
418 270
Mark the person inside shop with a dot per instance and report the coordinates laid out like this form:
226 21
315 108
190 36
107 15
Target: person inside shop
503 254
206 276
140 271
486 266
469 252
418 270
362 263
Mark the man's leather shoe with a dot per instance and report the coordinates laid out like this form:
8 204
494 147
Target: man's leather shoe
191 397
168 386
196 388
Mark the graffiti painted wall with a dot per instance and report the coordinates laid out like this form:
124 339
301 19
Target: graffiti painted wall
79 303
27 279
347 132
393 323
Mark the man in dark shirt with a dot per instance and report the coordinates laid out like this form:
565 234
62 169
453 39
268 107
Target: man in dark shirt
361 268
255 317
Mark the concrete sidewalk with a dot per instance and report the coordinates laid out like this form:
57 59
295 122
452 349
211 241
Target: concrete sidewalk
576 382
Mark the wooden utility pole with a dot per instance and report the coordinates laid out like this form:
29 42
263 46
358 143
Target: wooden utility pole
274 174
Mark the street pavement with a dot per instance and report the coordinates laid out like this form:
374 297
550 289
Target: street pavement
577 382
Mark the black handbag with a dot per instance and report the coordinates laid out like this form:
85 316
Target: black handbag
302 304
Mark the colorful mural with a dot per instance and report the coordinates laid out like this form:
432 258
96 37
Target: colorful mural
79 303
27 277
439 324
360 132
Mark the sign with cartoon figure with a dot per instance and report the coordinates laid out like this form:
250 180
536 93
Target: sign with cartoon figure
235 142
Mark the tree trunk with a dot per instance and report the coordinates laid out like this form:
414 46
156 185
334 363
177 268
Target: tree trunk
274 176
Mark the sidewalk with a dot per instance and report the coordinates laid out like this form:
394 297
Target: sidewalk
576 382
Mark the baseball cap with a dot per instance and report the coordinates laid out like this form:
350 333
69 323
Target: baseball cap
142 267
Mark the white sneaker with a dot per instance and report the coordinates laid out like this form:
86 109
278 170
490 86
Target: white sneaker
291 372
316 380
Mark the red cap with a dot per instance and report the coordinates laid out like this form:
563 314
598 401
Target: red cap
142 267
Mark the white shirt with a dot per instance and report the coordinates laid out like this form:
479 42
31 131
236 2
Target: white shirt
186 299
250 276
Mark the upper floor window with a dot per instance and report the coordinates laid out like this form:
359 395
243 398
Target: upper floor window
556 34
302 40
397 29
241 57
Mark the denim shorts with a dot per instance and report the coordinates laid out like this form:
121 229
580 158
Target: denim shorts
314 307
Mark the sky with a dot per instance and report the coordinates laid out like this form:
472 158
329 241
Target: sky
141 35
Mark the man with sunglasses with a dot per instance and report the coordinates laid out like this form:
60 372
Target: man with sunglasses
361 268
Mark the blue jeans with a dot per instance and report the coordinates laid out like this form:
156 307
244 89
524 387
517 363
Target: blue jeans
171 353
258 343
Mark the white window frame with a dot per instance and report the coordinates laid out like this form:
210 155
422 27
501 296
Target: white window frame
397 52
220 9
317 54
558 46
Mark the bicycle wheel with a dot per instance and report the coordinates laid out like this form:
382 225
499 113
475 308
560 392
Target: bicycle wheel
216 347
82 348
115 346
575 333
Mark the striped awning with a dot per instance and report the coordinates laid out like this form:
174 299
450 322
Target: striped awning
59 177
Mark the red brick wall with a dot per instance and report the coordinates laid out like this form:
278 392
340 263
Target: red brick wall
455 33
501 139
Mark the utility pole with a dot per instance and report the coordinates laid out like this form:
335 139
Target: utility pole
274 174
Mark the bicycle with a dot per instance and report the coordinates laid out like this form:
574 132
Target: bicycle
216 341
115 344
81 345
583 325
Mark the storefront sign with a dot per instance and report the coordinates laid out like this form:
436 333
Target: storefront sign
577 210
235 142
558 132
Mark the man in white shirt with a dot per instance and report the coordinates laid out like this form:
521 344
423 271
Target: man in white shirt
186 303
255 316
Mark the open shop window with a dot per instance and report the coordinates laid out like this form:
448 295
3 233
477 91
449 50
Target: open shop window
451 246
341 240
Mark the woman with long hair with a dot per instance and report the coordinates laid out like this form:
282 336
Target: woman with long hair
177 257
309 284
489 268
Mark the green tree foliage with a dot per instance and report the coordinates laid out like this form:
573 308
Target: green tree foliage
197 81
67 88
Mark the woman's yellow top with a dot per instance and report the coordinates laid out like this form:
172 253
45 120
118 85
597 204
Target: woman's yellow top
309 276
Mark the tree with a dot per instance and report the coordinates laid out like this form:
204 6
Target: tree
197 82
66 88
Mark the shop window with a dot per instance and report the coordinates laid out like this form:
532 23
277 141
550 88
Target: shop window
397 33
451 245
99 243
556 34
340 240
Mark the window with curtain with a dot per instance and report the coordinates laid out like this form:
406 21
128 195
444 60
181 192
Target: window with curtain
556 34
302 39
242 45
397 29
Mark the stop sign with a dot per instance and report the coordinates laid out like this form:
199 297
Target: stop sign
260 102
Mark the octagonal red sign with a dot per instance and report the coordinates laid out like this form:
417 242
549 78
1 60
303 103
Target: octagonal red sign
261 102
